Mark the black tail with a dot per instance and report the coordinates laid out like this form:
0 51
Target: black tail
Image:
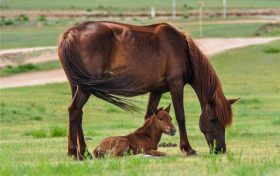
111 89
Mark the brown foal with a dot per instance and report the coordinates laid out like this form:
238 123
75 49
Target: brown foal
144 140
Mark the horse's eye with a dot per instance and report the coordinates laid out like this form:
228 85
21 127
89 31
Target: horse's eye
215 120
160 118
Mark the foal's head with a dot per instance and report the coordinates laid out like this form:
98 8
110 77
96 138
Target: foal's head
163 121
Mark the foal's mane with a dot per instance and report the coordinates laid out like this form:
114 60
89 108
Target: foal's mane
206 82
148 122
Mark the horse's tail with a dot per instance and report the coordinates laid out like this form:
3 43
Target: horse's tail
106 87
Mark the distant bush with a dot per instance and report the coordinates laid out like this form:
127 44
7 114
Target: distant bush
37 118
101 7
270 28
42 18
27 67
89 10
23 18
186 6
39 133
6 22
186 16
18 69
272 50
58 131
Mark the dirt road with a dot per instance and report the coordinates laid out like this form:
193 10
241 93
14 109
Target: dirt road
210 46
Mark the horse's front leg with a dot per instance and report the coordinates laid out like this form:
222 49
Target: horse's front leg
177 94
75 133
153 102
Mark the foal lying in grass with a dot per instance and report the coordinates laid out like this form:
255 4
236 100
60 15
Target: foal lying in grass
144 140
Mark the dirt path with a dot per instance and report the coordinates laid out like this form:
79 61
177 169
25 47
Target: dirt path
210 46
24 50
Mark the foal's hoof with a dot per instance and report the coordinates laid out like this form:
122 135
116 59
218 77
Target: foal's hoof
191 152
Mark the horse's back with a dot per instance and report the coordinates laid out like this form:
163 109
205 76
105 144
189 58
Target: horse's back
139 52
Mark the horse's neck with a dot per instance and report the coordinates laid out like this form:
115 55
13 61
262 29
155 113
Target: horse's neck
150 130
205 81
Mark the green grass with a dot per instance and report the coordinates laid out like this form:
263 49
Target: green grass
15 37
119 5
11 70
34 122
34 34
223 30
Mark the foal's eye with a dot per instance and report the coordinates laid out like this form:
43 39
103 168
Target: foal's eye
160 118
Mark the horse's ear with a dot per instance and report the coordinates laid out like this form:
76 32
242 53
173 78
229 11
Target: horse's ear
231 101
167 109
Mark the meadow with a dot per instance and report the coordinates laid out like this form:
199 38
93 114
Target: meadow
119 5
45 32
34 126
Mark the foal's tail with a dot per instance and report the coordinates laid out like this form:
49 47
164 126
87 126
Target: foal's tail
111 89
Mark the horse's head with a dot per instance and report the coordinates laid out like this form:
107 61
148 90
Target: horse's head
213 120
163 121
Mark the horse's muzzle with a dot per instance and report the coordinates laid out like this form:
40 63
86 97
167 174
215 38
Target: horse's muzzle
220 150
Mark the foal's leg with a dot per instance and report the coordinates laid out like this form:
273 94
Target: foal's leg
121 147
177 94
75 117
153 102
154 153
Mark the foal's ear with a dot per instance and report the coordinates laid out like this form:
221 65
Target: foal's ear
167 109
160 109
231 101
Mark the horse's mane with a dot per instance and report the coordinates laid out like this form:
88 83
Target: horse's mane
206 82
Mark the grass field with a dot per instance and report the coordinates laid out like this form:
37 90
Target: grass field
118 5
38 33
34 122
23 68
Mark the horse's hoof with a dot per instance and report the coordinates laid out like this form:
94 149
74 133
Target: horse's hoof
81 157
72 155
191 152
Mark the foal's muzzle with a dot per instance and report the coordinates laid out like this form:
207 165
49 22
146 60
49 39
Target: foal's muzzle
172 132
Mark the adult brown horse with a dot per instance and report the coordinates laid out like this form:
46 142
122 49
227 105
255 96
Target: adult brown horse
112 61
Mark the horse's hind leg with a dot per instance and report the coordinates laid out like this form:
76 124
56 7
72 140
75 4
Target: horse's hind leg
81 141
75 119
153 102
177 93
